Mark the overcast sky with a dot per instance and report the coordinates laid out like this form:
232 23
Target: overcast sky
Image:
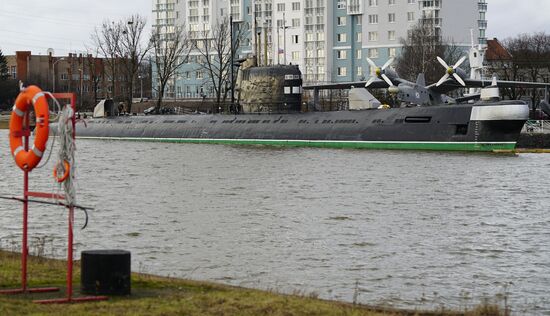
66 25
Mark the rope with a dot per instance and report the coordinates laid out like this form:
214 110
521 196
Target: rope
66 153
51 121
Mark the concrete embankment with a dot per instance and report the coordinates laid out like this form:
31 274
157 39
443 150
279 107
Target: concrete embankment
534 141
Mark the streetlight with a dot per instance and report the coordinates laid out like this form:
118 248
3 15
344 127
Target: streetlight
81 85
284 27
141 90
53 72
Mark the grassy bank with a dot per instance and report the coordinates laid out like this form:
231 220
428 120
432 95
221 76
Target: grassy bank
153 295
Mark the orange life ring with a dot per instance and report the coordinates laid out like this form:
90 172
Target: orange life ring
29 159
65 174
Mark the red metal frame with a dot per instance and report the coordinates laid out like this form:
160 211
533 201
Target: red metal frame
25 133
24 251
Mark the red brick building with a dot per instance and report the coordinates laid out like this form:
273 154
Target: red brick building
87 76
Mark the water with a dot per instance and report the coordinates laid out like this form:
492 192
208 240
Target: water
406 229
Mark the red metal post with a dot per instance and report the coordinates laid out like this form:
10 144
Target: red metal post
70 256
69 298
24 246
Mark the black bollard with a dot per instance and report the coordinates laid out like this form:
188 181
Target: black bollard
105 272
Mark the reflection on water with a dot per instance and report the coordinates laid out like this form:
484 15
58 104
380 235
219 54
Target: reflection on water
410 229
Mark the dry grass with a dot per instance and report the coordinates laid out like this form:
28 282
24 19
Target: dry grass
152 295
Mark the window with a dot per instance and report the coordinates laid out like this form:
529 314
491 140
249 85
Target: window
64 77
296 55
321 36
341 20
342 54
411 1
14 72
199 75
410 16
359 37
359 71
391 2
373 36
309 37
295 6
373 3
391 17
295 22
295 39
373 19
341 4
359 19
359 54
391 35
373 53
342 71
320 69
392 52
280 7
320 53
342 38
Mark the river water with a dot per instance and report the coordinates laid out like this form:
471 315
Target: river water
405 229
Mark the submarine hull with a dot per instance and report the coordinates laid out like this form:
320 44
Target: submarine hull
465 127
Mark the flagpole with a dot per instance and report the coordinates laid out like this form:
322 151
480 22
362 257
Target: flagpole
278 46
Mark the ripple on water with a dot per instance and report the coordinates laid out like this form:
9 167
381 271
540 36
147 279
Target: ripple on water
313 219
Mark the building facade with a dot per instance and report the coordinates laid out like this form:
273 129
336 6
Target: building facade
328 39
87 76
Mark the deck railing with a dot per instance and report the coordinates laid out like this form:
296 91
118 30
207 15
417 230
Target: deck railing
536 127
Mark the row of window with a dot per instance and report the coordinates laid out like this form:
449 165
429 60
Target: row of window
373 53
295 6
373 37
374 3
373 19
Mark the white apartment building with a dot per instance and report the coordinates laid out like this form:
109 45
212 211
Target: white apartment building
328 39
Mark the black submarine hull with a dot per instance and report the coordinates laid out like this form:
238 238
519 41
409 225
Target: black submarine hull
463 127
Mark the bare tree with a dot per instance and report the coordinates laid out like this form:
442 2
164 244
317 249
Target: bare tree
132 51
530 62
214 50
96 71
106 39
420 51
171 50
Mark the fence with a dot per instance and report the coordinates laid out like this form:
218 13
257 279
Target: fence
537 127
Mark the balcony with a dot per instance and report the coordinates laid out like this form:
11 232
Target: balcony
430 5
482 24
354 7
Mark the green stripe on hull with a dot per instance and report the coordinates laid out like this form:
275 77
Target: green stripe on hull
438 146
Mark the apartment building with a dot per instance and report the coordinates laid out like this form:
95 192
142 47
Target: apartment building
328 39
